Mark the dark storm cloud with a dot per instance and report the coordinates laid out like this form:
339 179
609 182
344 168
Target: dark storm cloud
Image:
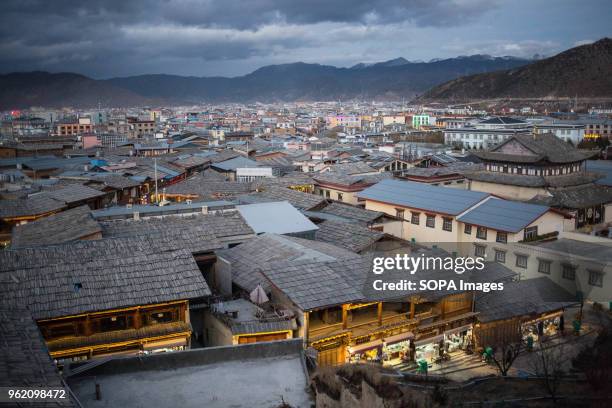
107 37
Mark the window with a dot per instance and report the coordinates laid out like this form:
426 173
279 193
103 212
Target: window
479 251
531 233
327 194
399 213
339 196
431 221
467 229
113 323
544 266
500 256
595 278
481 233
521 261
569 272
502 237
447 224
58 331
162 316
415 218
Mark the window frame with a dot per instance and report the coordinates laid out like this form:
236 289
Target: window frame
478 235
498 252
567 268
528 232
478 248
447 224
432 218
546 262
467 229
499 235
521 256
600 276
415 216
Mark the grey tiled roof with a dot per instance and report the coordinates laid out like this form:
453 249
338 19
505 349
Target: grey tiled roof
545 147
352 236
339 178
270 249
352 168
312 285
65 226
523 298
351 212
24 360
34 205
287 180
565 180
116 181
207 227
298 199
223 155
576 197
205 187
88 276
73 193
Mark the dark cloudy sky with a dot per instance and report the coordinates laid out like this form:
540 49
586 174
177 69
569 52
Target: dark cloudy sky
105 38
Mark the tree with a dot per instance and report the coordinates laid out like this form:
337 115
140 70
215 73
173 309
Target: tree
595 361
548 362
505 351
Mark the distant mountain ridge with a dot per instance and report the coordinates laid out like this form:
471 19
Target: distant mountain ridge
392 80
583 71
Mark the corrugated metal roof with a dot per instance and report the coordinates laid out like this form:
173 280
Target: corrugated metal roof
423 196
503 215
276 217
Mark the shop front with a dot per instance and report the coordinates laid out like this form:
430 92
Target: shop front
549 325
458 338
370 351
396 348
429 349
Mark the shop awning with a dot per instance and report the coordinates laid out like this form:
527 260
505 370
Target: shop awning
458 329
164 344
365 346
399 337
435 339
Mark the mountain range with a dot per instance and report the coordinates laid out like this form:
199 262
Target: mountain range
584 71
393 79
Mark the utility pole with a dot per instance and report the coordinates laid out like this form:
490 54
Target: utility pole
155 171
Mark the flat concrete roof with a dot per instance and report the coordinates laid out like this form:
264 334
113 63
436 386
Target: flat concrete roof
253 375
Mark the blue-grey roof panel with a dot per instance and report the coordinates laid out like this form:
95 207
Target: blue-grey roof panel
423 196
277 217
503 215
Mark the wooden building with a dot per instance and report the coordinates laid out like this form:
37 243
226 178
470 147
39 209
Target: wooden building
531 307
109 296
